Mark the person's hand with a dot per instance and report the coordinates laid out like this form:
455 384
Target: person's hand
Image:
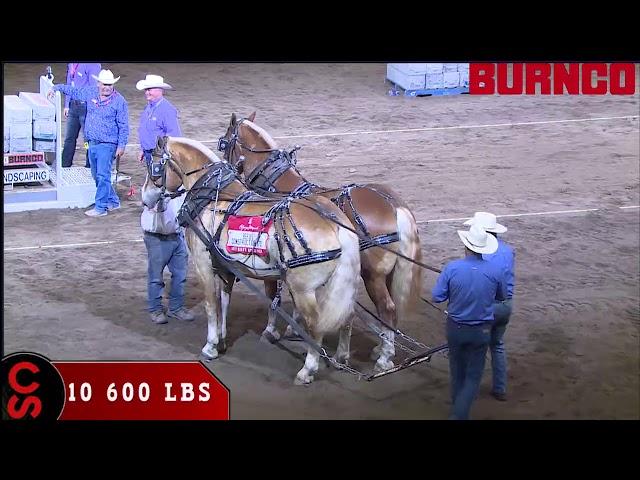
120 152
66 112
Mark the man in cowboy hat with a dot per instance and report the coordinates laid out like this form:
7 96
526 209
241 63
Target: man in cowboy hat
503 258
163 236
160 117
107 132
470 284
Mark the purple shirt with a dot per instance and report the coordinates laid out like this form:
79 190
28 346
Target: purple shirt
79 76
158 119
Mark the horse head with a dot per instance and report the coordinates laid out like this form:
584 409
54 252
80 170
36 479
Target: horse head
245 144
251 150
175 161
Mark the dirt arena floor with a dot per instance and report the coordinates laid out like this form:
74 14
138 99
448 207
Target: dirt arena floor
573 343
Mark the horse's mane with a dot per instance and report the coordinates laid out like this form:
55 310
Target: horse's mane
196 145
271 143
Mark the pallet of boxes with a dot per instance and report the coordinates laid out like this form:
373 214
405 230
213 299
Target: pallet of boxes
426 79
29 132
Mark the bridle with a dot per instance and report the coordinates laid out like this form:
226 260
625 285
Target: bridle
158 170
228 146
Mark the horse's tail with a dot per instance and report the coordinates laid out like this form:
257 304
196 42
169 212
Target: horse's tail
336 299
406 283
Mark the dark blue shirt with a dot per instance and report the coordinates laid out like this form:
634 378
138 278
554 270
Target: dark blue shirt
107 120
471 285
503 259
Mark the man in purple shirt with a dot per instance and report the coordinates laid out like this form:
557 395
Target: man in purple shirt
159 118
164 239
503 258
79 75
107 131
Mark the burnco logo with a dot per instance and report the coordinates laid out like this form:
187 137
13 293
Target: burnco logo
552 78
32 388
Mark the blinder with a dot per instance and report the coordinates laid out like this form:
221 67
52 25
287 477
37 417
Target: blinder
156 168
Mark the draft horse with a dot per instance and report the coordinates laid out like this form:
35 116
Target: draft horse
317 260
375 211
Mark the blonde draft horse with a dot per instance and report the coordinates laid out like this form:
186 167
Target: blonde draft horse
393 283
323 292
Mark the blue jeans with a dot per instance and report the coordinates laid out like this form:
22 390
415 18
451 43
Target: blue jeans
162 251
75 123
502 313
468 346
101 156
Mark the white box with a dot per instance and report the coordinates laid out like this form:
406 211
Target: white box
15 110
463 67
410 68
19 145
434 80
451 79
433 68
403 80
20 130
44 129
450 67
42 108
464 78
44 145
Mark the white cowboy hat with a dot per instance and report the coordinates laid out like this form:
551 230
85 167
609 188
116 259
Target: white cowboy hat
478 240
487 221
106 77
152 81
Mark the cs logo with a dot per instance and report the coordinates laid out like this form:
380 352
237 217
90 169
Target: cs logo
32 388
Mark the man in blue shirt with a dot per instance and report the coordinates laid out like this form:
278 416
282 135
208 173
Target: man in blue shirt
79 75
503 258
470 284
107 131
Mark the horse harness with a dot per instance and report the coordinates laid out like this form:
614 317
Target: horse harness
207 188
264 176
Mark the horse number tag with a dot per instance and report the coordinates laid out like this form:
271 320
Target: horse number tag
248 235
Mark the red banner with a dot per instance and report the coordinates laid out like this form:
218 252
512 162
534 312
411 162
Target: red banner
142 391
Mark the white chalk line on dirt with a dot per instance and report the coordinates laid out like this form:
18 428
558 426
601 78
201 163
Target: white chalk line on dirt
429 129
109 242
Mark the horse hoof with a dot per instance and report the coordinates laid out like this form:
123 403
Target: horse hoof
210 352
303 379
383 365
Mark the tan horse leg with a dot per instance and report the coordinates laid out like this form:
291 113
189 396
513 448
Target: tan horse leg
307 305
270 333
376 286
225 300
342 354
212 293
